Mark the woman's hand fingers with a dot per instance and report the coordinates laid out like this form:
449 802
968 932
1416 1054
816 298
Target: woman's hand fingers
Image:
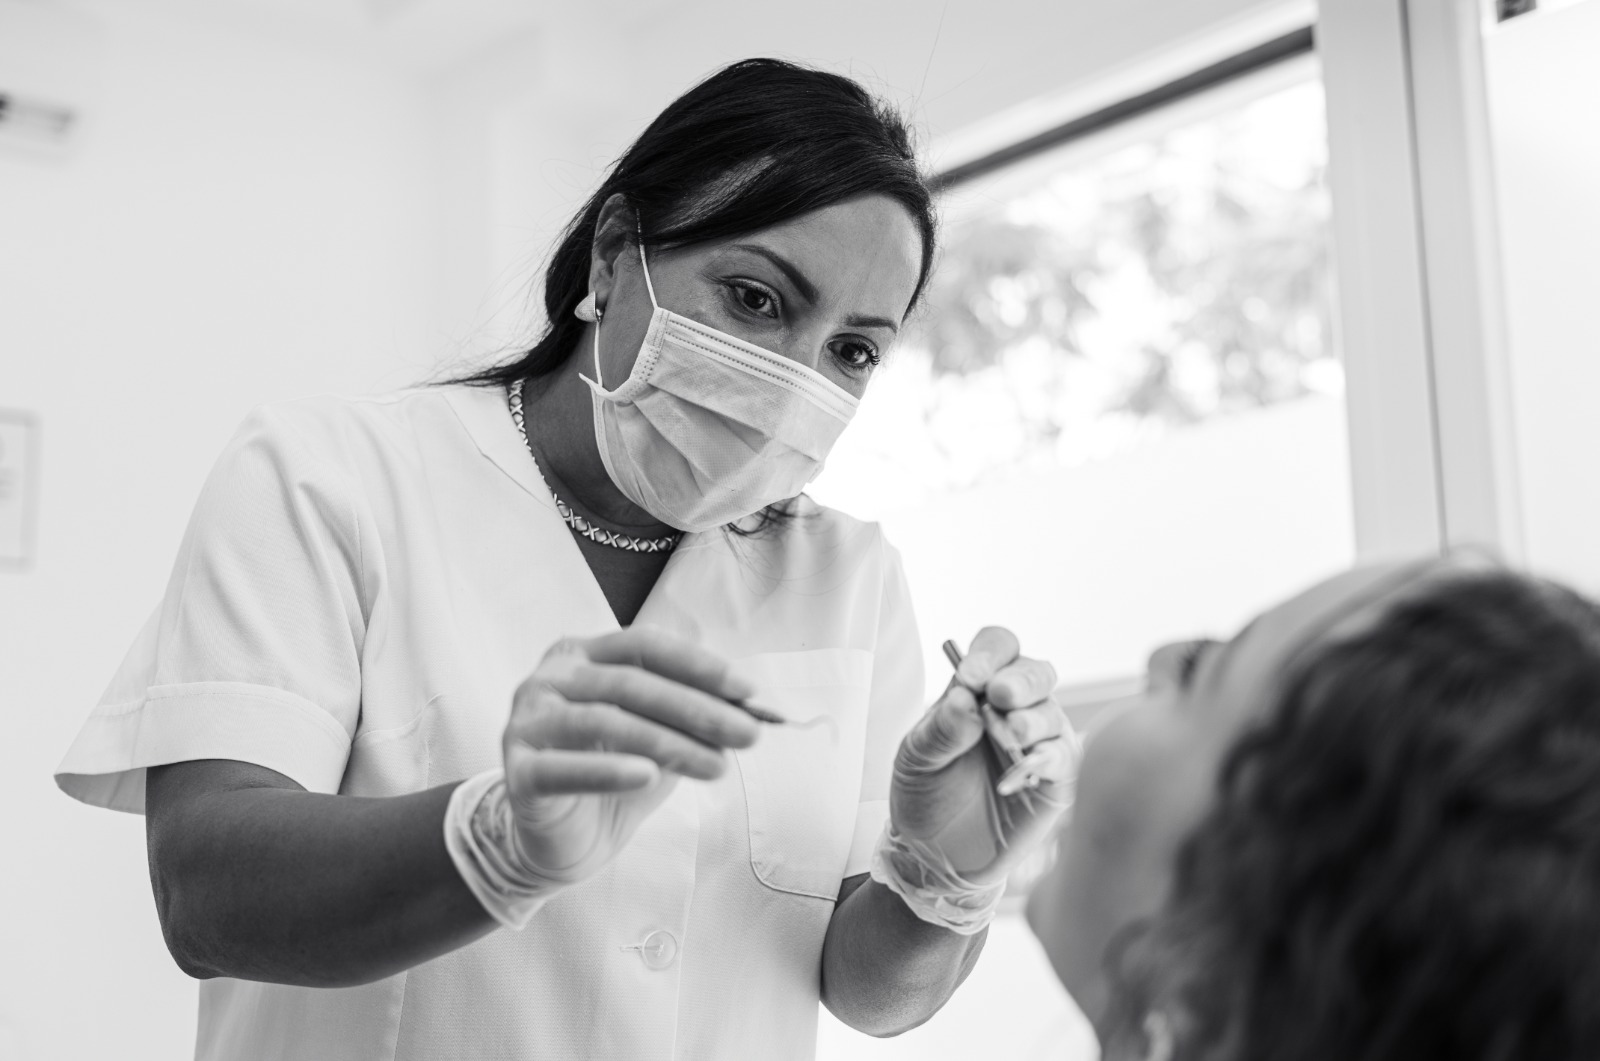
602 727
540 773
641 691
707 718
1021 683
1042 722
1055 763
619 724
991 650
601 731
670 656
948 729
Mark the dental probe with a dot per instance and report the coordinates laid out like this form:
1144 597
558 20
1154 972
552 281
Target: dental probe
761 714
1019 772
773 718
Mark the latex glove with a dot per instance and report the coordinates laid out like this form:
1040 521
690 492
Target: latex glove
601 732
943 797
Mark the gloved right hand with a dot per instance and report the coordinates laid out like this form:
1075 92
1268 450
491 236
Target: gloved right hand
943 797
601 732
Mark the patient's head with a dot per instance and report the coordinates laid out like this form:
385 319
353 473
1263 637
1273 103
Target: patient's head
1370 828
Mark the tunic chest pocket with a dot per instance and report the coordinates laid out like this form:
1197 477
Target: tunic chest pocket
802 785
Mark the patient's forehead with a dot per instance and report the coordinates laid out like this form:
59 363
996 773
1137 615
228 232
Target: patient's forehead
1243 678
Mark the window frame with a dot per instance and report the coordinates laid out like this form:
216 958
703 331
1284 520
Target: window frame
1421 300
1421 313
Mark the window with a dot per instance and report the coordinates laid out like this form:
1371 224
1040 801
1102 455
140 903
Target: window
1118 422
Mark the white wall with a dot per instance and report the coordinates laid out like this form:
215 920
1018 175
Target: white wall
1544 88
252 213
243 219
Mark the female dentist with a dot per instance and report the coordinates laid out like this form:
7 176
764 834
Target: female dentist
540 715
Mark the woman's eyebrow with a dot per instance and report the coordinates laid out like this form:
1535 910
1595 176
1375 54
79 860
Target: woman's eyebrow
856 321
807 289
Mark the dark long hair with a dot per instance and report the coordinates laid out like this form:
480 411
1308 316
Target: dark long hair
755 144
1404 858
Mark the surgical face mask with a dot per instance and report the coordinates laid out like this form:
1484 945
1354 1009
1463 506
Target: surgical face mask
708 428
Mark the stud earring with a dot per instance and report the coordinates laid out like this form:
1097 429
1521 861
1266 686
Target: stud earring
588 310
1159 1041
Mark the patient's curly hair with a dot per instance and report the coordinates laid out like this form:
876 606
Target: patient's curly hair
1403 860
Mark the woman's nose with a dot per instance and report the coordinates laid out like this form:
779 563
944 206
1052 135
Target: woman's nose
805 348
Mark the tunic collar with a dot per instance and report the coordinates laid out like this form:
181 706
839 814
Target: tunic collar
482 411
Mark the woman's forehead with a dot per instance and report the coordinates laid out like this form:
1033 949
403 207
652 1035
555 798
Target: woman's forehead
862 250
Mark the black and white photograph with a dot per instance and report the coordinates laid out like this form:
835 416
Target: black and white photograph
853 530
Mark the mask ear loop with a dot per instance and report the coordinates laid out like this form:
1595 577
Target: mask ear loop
644 265
597 383
599 380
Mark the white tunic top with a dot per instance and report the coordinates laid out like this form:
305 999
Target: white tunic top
361 587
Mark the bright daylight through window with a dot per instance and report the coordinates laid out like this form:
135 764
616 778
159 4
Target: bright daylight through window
1125 364
1117 422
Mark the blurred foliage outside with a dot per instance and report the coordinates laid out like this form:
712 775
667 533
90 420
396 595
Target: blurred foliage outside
1164 284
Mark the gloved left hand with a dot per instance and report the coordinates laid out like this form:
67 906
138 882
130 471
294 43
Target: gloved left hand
942 801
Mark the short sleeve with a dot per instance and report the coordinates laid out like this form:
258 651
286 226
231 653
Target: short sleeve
896 704
254 653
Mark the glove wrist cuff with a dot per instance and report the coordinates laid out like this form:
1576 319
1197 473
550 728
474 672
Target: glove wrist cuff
930 887
481 835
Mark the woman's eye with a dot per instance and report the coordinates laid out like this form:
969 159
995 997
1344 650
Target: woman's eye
757 300
856 356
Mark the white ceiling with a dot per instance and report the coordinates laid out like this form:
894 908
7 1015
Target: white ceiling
422 35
